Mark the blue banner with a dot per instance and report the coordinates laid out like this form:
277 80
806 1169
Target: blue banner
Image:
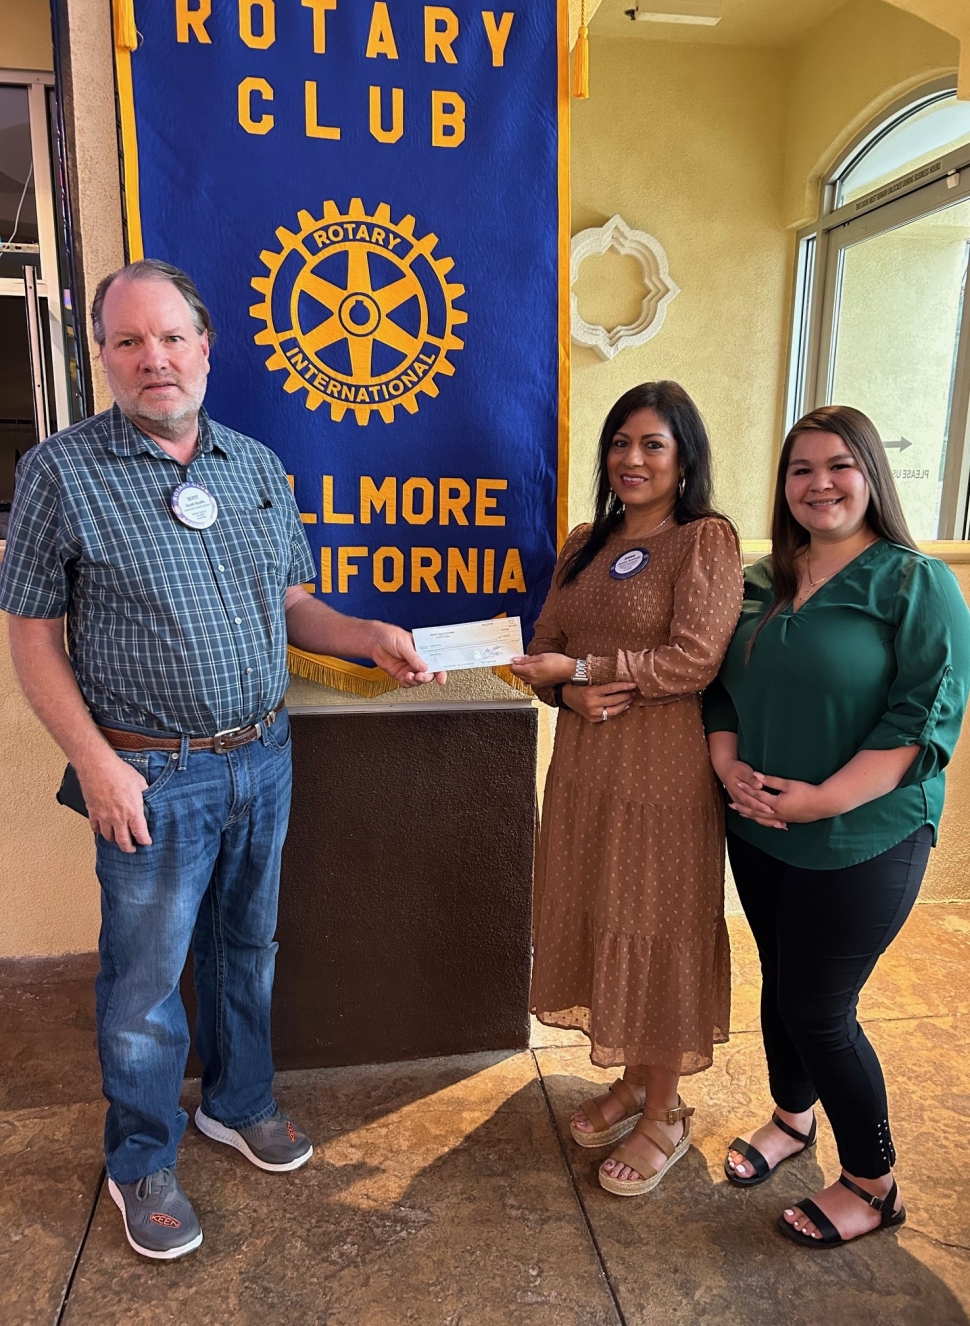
371 198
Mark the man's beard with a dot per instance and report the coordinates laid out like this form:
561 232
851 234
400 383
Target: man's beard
167 419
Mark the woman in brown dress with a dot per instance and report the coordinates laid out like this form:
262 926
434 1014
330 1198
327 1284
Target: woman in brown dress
630 942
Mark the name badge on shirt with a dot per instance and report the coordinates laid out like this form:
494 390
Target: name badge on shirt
194 506
630 563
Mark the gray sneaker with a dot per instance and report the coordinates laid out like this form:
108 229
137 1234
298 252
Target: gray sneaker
159 1220
275 1144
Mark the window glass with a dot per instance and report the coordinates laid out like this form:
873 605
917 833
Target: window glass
18 212
919 136
897 337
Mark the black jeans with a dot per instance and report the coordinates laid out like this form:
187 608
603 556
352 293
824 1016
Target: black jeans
819 935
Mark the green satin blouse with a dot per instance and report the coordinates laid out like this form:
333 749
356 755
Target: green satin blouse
878 657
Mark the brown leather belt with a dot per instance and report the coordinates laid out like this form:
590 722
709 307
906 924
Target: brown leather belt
220 743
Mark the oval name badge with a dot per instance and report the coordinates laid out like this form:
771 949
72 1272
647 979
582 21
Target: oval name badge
194 505
630 563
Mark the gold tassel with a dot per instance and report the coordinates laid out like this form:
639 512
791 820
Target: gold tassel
581 59
126 34
321 671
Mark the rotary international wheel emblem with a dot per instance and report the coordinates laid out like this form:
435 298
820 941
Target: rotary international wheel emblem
359 313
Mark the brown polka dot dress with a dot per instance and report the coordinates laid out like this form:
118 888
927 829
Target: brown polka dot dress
630 941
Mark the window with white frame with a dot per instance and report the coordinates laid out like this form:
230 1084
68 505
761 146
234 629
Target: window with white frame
881 318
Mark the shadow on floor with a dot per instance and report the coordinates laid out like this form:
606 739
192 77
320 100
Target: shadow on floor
441 1192
451 1208
697 1250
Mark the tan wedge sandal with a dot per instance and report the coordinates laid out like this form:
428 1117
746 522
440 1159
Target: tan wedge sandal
626 1154
605 1134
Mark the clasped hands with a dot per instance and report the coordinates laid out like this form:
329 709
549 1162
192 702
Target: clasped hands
590 702
773 802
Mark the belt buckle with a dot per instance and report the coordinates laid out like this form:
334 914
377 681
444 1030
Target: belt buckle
219 743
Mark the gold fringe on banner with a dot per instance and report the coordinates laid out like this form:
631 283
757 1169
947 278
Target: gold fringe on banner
126 34
510 679
339 674
581 58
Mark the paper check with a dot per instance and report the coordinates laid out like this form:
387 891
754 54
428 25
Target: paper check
470 644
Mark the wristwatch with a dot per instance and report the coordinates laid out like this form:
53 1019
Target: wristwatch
581 675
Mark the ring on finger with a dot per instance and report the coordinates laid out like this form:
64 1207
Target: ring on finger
606 713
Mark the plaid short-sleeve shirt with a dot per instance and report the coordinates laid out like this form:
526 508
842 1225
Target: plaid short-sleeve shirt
170 629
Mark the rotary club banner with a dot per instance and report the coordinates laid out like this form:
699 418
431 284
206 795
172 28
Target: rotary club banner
371 198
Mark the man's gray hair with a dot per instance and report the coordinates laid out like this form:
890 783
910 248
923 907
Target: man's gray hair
153 269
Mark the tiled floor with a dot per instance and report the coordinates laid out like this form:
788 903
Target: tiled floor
448 1193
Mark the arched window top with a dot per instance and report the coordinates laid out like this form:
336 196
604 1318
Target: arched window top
926 129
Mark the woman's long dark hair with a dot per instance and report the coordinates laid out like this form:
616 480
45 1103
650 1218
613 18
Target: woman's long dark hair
683 418
884 515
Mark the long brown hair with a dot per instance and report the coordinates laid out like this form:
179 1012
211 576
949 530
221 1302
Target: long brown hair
694 501
884 514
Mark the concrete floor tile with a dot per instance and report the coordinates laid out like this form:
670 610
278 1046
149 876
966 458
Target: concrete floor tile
48 1055
698 1251
50 1168
947 1264
436 1194
542 1036
927 1067
745 977
924 973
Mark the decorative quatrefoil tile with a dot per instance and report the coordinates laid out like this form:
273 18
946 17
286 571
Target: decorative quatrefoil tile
658 286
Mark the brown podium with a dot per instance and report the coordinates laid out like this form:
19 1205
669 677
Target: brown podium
406 892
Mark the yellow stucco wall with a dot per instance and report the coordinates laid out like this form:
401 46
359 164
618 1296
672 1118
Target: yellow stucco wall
686 143
846 71
25 35
952 16
47 882
948 873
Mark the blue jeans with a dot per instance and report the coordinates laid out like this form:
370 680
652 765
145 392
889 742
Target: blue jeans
209 878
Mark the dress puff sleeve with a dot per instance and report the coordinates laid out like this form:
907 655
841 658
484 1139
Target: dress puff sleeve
707 603
717 707
549 637
928 696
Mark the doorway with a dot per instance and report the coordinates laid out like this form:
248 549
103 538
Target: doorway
39 381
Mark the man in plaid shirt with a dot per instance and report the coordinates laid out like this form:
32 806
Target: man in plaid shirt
174 549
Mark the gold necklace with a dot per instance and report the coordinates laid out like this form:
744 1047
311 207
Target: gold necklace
813 584
651 532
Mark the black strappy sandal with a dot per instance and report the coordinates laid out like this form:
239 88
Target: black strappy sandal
762 1171
831 1238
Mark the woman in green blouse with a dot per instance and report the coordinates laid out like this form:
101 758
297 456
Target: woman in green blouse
835 713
